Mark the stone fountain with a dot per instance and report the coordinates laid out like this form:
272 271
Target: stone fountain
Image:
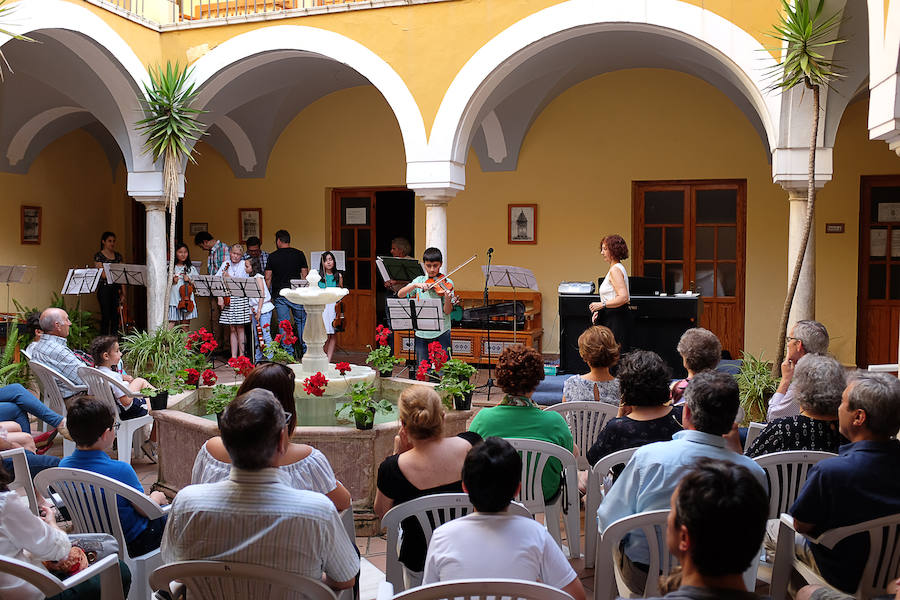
314 299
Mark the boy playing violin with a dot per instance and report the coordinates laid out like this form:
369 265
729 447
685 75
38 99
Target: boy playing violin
423 287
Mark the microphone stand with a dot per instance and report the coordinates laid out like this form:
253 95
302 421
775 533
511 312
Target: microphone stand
490 380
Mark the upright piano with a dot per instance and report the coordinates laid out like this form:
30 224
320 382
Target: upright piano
657 324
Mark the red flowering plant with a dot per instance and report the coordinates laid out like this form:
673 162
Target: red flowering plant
277 349
381 357
241 365
192 376
451 374
342 367
209 377
314 385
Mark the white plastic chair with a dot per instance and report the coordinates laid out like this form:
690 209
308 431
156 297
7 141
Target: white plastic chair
218 580
882 564
91 501
470 589
753 431
431 512
535 455
100 385
607 572
107 568
596 491
50 380
585 419
22 476
787 472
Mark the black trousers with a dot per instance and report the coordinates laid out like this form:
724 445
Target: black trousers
108 297
619 320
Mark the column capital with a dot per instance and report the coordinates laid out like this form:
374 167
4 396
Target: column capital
435 196
149 184
437 175
790 167
152 202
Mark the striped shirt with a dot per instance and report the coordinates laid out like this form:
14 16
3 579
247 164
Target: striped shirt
216 257
254 518
52 351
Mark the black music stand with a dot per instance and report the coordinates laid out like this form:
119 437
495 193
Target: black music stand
210 286
244 287
10 274
409 314
125 274
513 277
398 269
81 281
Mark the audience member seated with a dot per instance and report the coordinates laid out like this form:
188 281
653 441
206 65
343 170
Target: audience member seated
805 337
491 543
302 467
519 370
818 384
92 427
700 350
715 527
644 414
860 484
653 473
33 539
16 403
253 517
424 463
598 348
51 348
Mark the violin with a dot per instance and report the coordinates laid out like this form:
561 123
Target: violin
186 292
226 301
441 285
338 322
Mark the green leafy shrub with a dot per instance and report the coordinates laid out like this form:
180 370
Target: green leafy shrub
757 386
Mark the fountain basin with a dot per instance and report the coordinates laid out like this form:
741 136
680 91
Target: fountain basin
338 385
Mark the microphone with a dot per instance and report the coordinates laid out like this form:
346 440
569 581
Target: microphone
490 251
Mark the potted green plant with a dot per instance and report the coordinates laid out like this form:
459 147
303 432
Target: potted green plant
222 395
455 376
381 358
757 386
363 406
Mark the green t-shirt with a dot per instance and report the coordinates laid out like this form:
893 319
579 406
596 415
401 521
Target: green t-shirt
422 295
532 423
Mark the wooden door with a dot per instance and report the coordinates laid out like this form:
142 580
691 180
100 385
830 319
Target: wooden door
878 300
353 231
693 232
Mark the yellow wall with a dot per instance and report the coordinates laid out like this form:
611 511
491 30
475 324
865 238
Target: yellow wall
838 202
72 182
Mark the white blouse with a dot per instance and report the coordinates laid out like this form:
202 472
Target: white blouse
21 530
607 291
313 473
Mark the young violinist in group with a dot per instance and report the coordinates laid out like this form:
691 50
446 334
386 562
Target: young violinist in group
431 285
333 315
235 311
182 304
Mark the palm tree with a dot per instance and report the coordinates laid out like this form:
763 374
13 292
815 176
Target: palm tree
5 13
171 126
804 37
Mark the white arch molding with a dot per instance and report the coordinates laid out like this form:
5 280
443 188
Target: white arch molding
249 48
740 56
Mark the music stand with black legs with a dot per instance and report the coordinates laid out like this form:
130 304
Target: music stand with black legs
10 274
416 315
125 274
81 281
211 287
244 287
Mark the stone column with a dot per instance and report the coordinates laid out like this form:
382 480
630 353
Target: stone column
436 223
804 305
157 284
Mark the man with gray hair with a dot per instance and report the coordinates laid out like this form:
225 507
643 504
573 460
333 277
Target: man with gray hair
253 517
860 484
653 473
52 349
805 337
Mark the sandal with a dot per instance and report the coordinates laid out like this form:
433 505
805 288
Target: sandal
48 442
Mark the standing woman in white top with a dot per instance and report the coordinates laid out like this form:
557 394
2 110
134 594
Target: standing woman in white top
237 313
612 309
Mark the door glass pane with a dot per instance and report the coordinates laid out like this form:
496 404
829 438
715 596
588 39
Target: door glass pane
653 270
348 243
895 282
364 275
727 243
717 206
653 243
885 204
705 244
674 281
364 243
349 275
726 282
705 282
674 243
664 207
877 281
355 211
878 241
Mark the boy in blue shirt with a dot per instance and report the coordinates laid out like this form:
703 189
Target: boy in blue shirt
92 427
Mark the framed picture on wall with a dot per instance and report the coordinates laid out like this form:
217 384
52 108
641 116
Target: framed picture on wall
522 224
198 227
31 224
249 223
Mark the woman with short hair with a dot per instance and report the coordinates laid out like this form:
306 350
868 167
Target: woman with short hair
615 294
424 463
818 384
598 348
700 350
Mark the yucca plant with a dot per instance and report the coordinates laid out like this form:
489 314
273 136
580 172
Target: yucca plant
6 11
805 36
170 126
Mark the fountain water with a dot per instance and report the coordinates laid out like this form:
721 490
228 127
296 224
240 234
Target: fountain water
314 299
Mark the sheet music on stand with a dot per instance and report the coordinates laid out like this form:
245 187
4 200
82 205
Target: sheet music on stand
508 276
81 281
243 287
340 260
125 274
210 285
398 269
299 283
413 314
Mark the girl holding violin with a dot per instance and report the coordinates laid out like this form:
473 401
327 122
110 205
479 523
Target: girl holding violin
333 315
236 311
182 304
431 285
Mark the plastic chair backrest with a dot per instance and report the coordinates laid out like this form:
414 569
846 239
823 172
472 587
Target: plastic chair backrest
100 385
218 580
469 589
22 476
653 525
753 431
431 512
596 490
535 455
585 419
787 472
107 568
50 380
91 499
